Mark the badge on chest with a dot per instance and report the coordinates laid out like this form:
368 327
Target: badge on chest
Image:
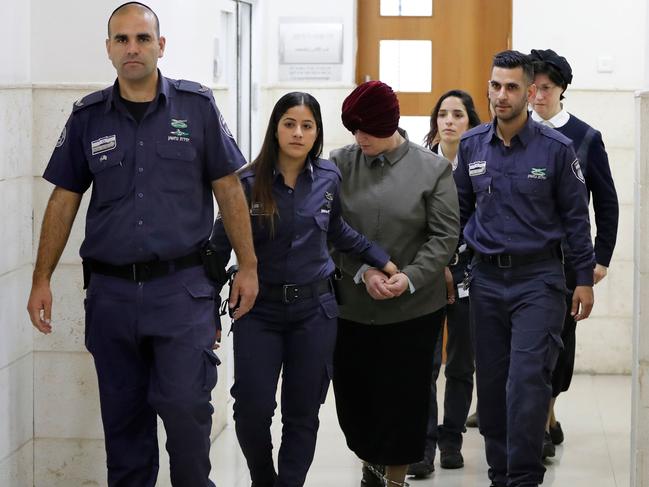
477 168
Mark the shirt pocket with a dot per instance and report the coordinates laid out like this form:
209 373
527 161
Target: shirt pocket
484 197
111 176
179 169
534 188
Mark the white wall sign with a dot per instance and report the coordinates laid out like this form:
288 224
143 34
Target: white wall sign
310 50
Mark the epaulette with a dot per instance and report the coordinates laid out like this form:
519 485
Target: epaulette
192 87
327 165
89 100
477 130
555 135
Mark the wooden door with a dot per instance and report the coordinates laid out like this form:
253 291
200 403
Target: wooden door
464 36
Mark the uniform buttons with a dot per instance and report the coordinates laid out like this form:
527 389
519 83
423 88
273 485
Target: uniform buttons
140 143
140 223
140 195
290 191
140 169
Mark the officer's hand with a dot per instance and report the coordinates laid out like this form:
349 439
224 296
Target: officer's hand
390 268
450 286
582 302
599 273
217 342
397 284
375 283
39 306
244 291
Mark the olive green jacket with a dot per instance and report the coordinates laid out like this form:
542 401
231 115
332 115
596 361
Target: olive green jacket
405 200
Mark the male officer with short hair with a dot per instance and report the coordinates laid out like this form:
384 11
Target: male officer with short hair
521 191
155 150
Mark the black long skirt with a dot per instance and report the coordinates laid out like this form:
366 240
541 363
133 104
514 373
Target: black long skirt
382 377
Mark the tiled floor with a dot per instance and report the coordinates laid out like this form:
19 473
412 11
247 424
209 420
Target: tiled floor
595 415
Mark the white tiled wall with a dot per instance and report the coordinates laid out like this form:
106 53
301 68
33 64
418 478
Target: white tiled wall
604 340
16 344
640 400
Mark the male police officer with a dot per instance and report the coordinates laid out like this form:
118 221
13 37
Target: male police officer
155 150
521 190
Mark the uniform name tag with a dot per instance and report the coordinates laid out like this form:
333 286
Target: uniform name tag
103 145
462 290
477 168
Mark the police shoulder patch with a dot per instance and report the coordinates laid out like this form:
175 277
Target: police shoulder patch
576 170
89 100
224 126
193 87
61 140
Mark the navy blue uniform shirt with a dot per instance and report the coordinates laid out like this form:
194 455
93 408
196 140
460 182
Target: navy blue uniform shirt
151 182
524 198
309 217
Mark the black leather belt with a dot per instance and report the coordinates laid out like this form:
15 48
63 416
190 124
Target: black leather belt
506 261
290 293
144 271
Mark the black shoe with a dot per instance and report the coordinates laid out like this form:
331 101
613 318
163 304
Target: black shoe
370 479
548 447
451 459
473 421
556 433
421 470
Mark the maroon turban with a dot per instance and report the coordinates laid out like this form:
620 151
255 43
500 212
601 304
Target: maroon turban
373 108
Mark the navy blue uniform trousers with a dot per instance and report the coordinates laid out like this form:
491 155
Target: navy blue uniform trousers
518 315
152 347
299 340
459 382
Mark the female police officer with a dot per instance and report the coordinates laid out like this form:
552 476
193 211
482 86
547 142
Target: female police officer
295 209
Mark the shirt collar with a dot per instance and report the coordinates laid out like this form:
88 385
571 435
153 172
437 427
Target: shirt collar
524 135
308 169
440 152
393 156
558 121
161 94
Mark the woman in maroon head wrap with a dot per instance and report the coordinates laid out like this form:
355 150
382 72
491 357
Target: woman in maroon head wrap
402 196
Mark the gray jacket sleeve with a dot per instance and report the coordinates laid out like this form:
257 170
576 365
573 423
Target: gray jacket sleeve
443 221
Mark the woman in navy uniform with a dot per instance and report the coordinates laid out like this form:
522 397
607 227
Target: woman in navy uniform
295 211
453 114
552 75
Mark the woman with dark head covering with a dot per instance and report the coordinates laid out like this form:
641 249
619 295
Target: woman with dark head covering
552 75
402 196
